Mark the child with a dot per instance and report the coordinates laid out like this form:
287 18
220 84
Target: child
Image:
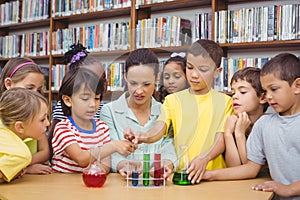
76 58
19 121
197 114
173 78
274 138
249 104
80 95
137 108
23 72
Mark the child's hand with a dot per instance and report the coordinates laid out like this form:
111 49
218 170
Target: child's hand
207 175
165 172
243 122
196 169
128 167
128 134
273 186
132 136
230 124
38 169
21 173
125 147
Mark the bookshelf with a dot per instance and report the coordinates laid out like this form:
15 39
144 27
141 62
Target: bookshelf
130 12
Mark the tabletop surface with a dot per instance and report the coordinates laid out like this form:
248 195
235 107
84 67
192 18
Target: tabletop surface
71 186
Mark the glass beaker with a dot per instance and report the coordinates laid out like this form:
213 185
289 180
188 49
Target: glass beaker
180 177
94 175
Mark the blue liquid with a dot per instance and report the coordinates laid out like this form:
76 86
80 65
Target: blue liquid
146 171
135 176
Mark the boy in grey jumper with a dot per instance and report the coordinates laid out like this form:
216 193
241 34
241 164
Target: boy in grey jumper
275 138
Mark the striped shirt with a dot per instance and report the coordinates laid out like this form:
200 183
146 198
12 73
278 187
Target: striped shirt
66 132
57 112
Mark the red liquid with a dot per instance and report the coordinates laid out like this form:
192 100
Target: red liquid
94 180
157 169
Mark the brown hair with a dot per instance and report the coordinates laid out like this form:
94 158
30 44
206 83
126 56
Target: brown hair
162 92
284 66
252 76
77 57
142 56
20 104
72 82
207 48
20 74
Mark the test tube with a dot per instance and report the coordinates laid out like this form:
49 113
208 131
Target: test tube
157 165
146 167
134 172
135 178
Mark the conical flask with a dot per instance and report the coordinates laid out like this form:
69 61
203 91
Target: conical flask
94 175
180 177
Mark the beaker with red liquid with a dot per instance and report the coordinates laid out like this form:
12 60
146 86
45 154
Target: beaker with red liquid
94 175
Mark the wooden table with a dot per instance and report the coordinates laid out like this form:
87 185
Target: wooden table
70 186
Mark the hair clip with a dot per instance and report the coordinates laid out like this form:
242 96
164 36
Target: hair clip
77 56
181 54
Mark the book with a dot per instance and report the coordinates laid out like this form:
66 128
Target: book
45 69
185 31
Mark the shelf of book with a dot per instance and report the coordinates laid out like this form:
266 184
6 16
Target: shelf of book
113 53
26 25
173 5
116 12
263 44
205 24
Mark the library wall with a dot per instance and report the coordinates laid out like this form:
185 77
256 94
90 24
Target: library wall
58 33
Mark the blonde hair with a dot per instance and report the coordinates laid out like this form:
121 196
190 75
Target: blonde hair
20 104
19 74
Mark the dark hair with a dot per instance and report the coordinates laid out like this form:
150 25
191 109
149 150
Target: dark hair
284 66
142 56
77 57
162 92
72 82
21 73
252 76
178 60
207 48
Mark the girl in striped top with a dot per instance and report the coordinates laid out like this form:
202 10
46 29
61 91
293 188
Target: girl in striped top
76 58
73 137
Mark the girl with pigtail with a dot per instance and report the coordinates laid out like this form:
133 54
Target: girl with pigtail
79 136
76 58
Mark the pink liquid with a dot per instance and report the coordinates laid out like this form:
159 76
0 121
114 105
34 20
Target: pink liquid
94 180
157 169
